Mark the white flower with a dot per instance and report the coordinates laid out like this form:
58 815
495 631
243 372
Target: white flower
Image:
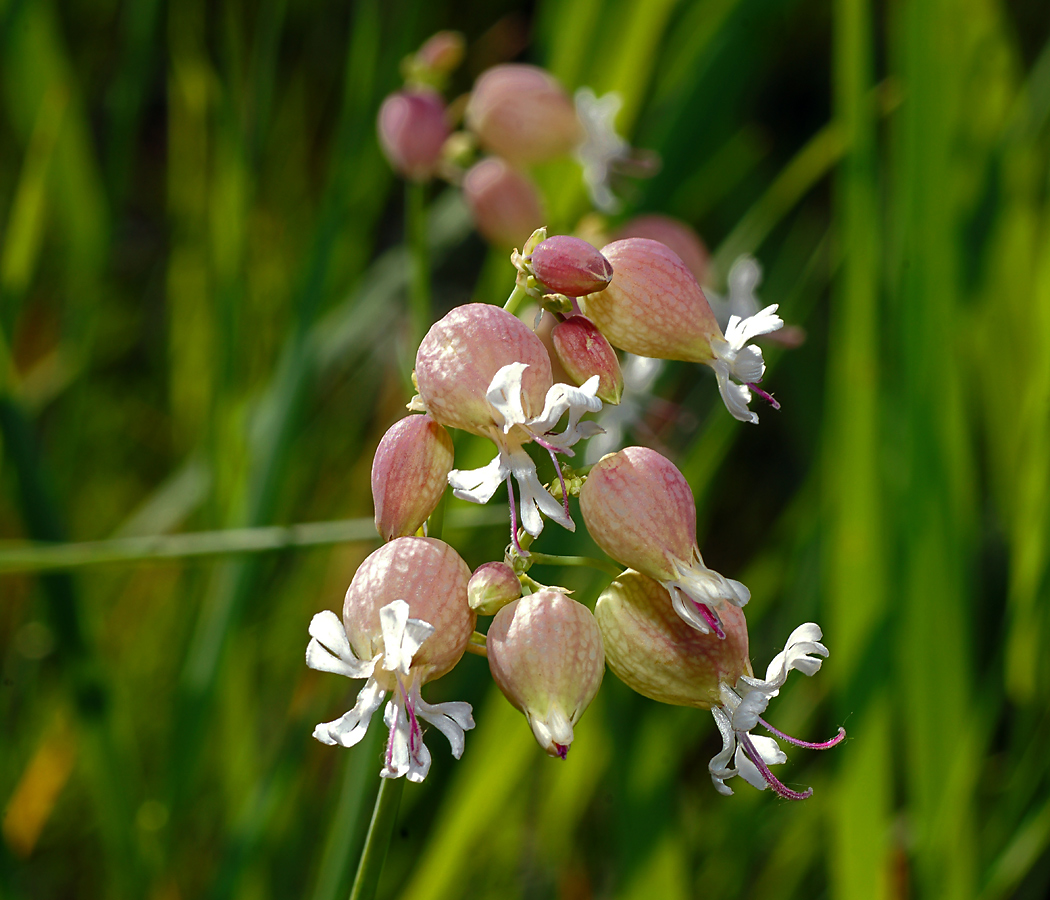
390 669
743 364
639 376
742 706
511 460
602 147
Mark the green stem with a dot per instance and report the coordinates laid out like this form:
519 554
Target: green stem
416 234
378 841
516 299
549 559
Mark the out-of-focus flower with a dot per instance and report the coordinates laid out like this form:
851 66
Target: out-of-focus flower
521 113
639 509
409 475
654 307
440 54
603 153
405 622
545 653
482 369
412 130
648 648
741 300
602 147
492 586
680 237
584 352
504 203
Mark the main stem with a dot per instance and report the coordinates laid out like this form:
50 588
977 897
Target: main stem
380 831
419 283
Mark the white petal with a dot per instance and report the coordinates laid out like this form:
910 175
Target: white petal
452 719
697 583
504 394
330 651
740 331
478 485
735 396
349 728
561 398
749 771
745 716
769 750
402 636
719 765
747 365
803 641
553 728
534 497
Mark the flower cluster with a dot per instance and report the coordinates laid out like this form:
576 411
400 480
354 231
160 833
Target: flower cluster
668 626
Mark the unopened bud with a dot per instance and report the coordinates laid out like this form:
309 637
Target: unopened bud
584 351
545 653
567 265
677 235
651 650
653 306
521 113
412 130
491 587
409 475
504 203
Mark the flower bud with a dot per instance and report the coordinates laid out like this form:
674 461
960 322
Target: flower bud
432 579
504 203
567 265
409 474
491 587
521 113
651 650
584 351
653 306
412 130
639 509
545 653
459 357
677 235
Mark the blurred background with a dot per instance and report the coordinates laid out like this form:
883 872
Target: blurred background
203 335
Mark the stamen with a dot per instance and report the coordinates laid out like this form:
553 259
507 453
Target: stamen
710 618
561 478
561 751
781 789
514 520
838 739
769 398
415 733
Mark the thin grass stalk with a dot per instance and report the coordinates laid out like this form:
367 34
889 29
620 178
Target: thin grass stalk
416 238
381 828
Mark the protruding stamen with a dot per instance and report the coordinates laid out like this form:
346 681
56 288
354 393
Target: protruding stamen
711 619
561 750
778 786
514 521
769 398
837 739
415 733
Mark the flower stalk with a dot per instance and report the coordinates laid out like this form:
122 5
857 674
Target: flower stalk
380 830
419 281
